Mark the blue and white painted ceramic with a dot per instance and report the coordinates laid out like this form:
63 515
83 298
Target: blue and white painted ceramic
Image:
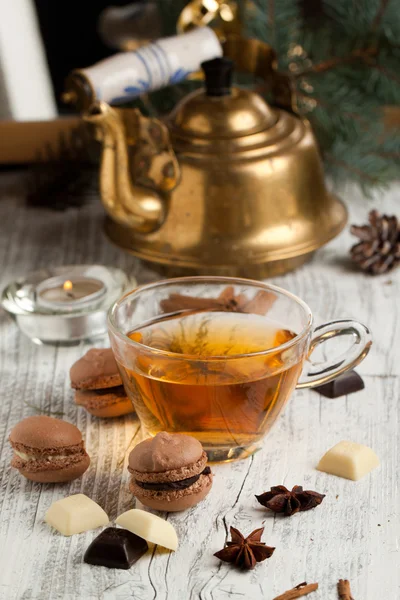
157 65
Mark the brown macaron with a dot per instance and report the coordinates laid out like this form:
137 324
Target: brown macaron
111 402
96 370
169 472
48 450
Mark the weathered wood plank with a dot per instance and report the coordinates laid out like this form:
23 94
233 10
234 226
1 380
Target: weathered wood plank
354 534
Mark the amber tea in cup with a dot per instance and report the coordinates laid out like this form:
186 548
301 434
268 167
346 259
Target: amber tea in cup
218 402
212 357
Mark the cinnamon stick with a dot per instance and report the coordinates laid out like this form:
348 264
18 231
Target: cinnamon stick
180 302
260 304
344 590
226 301
300 590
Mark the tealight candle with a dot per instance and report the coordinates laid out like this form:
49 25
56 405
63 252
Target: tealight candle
71 293
64 305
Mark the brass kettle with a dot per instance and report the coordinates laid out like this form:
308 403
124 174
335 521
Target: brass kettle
225 185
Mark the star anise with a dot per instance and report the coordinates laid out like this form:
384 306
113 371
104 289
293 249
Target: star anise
245 552
281 500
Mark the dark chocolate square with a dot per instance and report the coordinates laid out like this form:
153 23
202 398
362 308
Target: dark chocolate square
116 549
348 383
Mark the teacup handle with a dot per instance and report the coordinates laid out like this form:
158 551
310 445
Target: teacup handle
322 372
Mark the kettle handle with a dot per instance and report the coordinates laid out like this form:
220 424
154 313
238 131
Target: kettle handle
258 58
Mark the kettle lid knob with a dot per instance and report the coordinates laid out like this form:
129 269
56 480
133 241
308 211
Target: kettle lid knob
218 74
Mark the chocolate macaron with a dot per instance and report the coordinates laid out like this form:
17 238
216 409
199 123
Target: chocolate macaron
111 402
48 450
96 370
98 384
169 472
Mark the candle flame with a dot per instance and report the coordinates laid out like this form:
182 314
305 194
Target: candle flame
68 285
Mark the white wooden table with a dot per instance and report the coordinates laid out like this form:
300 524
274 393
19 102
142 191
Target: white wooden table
354 534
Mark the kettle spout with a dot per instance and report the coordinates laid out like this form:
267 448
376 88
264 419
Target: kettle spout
135 206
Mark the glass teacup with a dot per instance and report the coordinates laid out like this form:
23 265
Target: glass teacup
218 357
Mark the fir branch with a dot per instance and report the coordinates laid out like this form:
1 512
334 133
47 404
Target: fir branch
363 162
379 15
360 173
354 18
387 72
389 25
64 175
271 22
276 23
337 61
391 155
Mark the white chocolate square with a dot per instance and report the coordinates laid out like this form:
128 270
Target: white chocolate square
149 527
349 460
75 514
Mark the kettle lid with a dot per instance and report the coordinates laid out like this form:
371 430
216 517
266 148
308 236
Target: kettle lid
220 110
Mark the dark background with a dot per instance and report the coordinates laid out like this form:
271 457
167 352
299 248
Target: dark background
69 32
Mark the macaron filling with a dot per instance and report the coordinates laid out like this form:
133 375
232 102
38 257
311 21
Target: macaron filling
34 459
93 399
166 475
27 457
172 485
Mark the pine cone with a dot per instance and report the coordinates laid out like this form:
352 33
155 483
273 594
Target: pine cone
379 248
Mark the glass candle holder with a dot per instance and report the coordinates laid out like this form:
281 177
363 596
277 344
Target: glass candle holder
65 304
